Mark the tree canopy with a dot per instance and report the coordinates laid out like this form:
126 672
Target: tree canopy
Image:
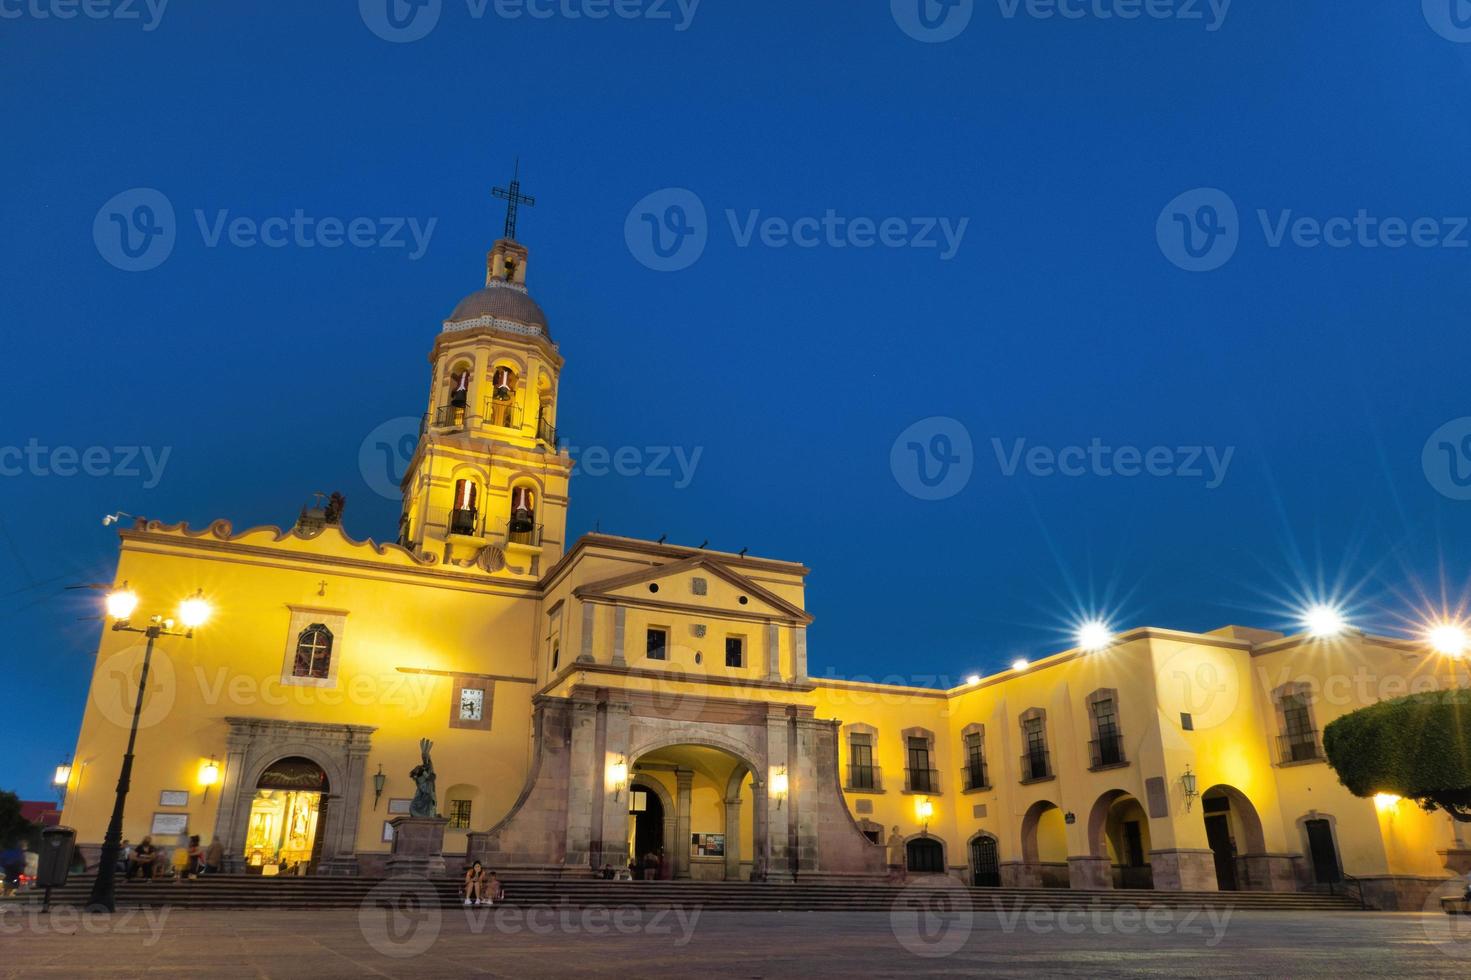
1418 747
13 827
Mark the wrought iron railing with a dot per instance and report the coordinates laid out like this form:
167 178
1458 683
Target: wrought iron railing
922 780
975 776
1035 764
546 432
502 413
864 777
465 521
1299 747
1107 750
530 537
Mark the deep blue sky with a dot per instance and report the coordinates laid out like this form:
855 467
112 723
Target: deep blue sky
793 370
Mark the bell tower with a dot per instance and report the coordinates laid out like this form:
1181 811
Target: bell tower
487 486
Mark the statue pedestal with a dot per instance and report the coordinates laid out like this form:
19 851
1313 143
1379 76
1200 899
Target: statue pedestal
418 846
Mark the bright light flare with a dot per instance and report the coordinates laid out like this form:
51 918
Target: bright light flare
195 611
973 679
1094 635
121 603
63 775
1019 665
209 773
1386 801
1449 639
1323 620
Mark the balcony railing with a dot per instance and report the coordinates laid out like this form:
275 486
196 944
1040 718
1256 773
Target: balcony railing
546 432
1299 747
922 780
501 413
975 776
530 538
449 417
1036 765
465 522
864 777
1107 750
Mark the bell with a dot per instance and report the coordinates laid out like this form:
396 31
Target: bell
522 520
501 383
461 394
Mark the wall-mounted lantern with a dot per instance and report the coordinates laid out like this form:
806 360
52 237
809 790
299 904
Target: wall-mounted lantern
61 779
779 786
209 774
618 776
378 782
1187 782
925 810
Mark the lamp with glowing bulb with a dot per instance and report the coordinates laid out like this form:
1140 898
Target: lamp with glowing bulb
209 774
1323 620
379 780
618 776
121 604
61 779
973 679
1019 665
1385 802
1188 784
779 785
924 809
1094 635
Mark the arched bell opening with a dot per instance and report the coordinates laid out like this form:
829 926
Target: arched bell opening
521 527
464 515
500 407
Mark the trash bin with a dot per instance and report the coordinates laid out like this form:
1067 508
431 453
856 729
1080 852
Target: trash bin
56 856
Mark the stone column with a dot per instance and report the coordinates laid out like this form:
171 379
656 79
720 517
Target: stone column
773 652
585 778
760 842
614 739
799 653
584 655
803 792
620 616
229 819
733 839
778 827
1184 869
685 778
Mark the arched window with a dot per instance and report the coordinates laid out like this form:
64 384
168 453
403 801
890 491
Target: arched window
925 856
522 525
313 652
463 516
500 407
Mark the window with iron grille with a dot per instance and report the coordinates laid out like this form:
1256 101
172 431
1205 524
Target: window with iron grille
975 761
920 776
1035 730
459 814
313 652
861 773
1299 738
1108 746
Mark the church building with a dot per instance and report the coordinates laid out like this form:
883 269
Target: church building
607 701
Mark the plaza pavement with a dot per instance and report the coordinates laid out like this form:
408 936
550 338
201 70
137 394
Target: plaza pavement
635 943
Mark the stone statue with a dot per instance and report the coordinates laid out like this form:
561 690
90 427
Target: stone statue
424 803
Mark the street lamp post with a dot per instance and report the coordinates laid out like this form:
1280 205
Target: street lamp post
120 605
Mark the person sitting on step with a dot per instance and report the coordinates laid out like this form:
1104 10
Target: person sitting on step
493 890
474 883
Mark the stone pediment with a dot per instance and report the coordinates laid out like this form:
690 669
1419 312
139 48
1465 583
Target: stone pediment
694 584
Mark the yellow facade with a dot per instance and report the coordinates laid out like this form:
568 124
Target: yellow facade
536 668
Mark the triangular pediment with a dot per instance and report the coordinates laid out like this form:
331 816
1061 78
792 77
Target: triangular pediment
698 582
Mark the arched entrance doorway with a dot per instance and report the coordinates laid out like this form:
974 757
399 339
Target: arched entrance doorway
283 830
1232 831
1044 847
924 855
985 862
1118 831
707 813
652 837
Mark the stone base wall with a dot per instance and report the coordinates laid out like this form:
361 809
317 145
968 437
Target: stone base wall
535 831
1184 870
1090 873
1408 893
1267 873
841 846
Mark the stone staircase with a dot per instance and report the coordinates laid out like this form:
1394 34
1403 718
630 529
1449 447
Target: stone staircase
255 892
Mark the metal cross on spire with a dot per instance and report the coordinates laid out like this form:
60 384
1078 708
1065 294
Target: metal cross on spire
513 198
